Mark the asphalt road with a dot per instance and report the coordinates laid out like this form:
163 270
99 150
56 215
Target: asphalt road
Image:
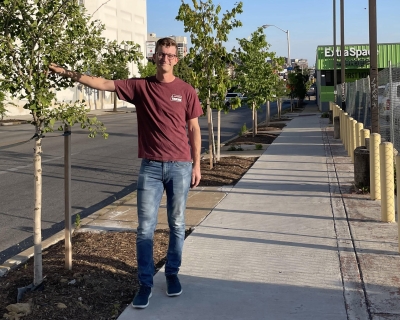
102 172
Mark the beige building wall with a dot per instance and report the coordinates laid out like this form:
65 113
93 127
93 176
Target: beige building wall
124 20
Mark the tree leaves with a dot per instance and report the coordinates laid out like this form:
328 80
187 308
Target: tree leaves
298 81
147 70
35 33
257 69
71 114
113 61
208 32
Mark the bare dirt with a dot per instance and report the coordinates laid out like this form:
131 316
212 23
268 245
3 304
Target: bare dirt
103 279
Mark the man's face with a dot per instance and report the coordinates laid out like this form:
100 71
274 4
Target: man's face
166 58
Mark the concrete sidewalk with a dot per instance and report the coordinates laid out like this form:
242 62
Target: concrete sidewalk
289 241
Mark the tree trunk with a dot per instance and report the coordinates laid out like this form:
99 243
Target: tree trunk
214 151
291 103
278 106
115 102
219 137
210 138
67 197
37 213
254 118
268 116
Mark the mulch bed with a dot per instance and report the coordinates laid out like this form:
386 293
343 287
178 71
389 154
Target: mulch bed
103 279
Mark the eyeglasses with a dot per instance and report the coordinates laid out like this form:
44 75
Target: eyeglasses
161 55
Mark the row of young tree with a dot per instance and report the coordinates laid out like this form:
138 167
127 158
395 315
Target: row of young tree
35 33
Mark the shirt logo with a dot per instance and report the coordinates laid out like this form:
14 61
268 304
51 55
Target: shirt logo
176 98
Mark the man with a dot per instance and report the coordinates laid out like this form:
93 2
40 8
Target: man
165 106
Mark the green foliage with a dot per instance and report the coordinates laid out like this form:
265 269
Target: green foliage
259 146
256 77
243 130
113 61
147 70
209 58
182 70
70 114
298 81
78 221
325 115
34 34
235 148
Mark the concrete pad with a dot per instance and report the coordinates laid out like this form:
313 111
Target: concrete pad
375 242
123 217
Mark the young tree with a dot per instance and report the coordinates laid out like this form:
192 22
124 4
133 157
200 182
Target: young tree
257 71
33 34
208 56
281 90
148 69
182 70
298 83
114 59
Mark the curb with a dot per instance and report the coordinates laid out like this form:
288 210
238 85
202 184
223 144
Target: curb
14 123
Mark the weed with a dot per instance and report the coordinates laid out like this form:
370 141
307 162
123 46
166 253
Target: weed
259 146
77 221
325 115
243 130
364 190
361 189
235 148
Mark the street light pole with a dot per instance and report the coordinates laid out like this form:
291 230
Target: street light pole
289 62
334 52
373 78
342 60
288 40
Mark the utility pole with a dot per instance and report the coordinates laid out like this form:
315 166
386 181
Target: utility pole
334 53
342 57
373 77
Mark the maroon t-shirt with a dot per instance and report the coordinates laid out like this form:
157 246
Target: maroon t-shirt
162 111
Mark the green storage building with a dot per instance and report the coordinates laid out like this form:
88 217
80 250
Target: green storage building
357 64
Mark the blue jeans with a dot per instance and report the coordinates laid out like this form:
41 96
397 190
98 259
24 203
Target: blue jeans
154 177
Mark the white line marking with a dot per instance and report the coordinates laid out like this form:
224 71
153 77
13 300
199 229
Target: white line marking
31 165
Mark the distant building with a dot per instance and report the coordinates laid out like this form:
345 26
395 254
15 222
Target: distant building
302 63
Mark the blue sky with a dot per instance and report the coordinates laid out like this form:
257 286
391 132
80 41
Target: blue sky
310 22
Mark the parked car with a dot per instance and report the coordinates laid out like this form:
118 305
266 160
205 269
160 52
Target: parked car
311 91
231 95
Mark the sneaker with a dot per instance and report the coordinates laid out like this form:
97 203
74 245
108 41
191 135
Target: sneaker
141 300
173 286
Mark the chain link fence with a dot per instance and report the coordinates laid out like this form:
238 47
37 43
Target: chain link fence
357 96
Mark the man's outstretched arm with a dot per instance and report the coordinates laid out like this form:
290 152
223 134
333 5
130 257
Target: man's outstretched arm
89 81
195 142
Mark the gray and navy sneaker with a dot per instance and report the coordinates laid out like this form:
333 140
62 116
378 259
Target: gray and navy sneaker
141 300
174 287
